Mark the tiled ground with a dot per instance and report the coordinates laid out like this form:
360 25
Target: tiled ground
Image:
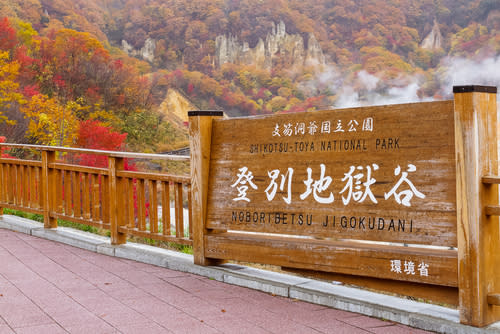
46 287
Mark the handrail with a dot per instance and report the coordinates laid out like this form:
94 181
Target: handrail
116 154
491 179
493 299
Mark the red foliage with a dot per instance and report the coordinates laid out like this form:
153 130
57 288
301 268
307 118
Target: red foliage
26 72
30 91
59 81
4 155
8 37
92 94
118 64
94 135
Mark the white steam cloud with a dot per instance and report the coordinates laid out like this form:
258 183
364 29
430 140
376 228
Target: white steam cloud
367 89
461 71
371 90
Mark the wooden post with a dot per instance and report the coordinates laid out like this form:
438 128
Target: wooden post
116 200
200 132
2 184
48 188
476 135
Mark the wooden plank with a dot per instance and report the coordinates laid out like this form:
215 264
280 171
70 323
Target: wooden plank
165 208
39 187
27 185
14 183
435 293
47 190
85 196
2 184
105 198
82 221
58 205
115 154
2 190
179 211
96 199
116 201
490 179
33 163
141 205
200 133
20 185
156 236
492 210
494 299
389 170
476 133
68 193
78 168
77 200
8 184
154 176
21 208
130 203
411 264
190 212
153 206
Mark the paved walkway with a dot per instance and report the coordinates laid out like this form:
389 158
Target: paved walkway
48 287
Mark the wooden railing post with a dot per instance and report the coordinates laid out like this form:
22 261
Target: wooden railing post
49 188
116 200
3 194
200 131
476 135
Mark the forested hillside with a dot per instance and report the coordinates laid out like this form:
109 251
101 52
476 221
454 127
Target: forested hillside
113 61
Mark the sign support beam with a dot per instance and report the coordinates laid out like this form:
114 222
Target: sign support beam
476 136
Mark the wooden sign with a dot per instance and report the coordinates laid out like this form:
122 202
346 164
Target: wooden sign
377 195
382 173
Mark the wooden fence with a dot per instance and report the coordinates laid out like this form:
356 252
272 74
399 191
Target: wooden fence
399 198
128 203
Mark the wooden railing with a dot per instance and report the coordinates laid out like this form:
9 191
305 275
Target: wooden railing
128 203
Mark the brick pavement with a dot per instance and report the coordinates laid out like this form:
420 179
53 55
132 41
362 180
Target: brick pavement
48 287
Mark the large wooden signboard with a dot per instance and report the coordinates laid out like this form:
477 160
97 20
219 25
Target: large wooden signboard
380 173
394 197
311 183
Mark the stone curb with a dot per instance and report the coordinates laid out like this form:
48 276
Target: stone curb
415 314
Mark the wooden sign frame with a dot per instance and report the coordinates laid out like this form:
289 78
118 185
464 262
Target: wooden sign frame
378 196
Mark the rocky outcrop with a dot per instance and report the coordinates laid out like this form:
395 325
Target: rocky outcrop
147 52
175 106
433 40
277 44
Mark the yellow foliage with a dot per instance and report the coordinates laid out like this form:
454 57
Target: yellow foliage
9 95
277 103
377 59
51 123
25 32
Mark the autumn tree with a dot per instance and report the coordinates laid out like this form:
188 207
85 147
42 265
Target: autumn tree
93 134
10 97
50 122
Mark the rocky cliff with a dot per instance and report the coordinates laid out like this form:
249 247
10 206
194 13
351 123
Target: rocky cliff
147 52
277 44
175 107
433 40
